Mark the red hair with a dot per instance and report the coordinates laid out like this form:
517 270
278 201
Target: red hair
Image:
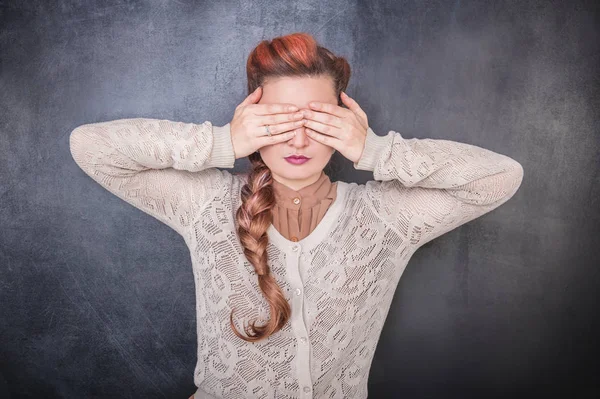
296 54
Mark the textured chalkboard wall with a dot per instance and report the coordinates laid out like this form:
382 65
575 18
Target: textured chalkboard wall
97 298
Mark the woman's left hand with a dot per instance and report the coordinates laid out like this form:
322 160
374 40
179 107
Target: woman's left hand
338 127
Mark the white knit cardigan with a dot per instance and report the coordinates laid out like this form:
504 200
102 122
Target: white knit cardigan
339 280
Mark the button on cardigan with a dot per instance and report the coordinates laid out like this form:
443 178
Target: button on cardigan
339 279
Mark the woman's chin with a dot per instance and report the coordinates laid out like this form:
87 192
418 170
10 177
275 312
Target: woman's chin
297 173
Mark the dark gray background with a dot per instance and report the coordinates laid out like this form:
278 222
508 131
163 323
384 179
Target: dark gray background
97 298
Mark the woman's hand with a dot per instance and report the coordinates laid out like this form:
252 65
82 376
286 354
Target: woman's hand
248 132
340 128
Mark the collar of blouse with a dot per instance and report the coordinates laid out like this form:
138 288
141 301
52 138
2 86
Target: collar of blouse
306 197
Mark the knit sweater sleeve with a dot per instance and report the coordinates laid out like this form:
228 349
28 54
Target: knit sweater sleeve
166 169
428 187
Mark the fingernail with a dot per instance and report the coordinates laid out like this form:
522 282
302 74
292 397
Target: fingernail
293 108
315 105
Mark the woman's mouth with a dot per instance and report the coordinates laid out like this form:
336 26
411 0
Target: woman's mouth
297 160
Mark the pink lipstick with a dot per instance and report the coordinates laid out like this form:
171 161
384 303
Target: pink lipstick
297 159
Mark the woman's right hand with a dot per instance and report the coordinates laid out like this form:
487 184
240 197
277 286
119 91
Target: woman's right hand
248 132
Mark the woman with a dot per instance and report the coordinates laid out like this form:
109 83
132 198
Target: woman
306 268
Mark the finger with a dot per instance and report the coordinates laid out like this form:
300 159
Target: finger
275 138
280 128
322 128
278 118
274 108
325 118
324 139
252 97
333 109
353 106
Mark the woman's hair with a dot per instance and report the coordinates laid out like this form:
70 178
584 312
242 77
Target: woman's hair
296 54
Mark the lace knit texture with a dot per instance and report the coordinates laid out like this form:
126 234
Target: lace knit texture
339 280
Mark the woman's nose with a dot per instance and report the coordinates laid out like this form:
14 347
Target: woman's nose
301 138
